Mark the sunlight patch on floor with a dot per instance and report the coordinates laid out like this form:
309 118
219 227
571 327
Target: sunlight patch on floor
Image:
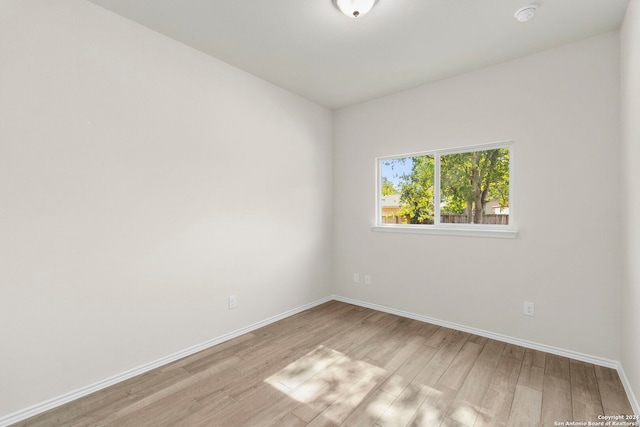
463 412
331 385
297 377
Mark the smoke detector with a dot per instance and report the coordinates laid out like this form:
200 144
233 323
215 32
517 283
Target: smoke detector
525 14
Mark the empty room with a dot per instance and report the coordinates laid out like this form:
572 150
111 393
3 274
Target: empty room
321 212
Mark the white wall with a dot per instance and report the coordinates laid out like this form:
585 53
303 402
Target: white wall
141 183
561 107
630 89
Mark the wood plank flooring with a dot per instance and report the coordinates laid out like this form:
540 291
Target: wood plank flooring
342 365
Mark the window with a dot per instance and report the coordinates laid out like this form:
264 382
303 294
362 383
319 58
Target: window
460 191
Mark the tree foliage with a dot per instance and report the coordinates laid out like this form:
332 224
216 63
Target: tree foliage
468 181
416 191
388 189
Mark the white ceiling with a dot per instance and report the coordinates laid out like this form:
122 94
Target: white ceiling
310 48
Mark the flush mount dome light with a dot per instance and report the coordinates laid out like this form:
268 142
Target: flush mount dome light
354 8
525 14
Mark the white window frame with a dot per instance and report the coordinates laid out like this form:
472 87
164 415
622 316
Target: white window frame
474 230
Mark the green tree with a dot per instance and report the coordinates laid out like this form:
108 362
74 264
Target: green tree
468 181
416 191
388 188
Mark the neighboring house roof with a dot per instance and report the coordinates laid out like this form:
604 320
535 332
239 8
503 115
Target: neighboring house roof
392 200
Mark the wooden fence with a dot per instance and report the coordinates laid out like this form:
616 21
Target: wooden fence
494 219
500 219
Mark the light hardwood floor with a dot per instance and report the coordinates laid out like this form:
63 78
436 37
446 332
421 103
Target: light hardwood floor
338 364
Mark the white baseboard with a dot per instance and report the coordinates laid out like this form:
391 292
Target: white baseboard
84 391
511 340
498 337
627 388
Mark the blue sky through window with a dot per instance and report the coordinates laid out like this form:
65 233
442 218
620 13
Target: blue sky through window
393 169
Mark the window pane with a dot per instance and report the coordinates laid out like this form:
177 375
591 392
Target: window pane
407 186
474 187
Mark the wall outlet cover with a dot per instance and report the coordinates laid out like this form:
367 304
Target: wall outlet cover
529 308
233 302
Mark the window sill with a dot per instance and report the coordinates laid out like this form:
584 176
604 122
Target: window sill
502 233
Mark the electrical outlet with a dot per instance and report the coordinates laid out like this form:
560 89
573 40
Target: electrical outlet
529 308
356 278
367 280
233 302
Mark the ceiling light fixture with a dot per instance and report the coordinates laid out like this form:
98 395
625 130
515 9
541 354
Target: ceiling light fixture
354 8
525 14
